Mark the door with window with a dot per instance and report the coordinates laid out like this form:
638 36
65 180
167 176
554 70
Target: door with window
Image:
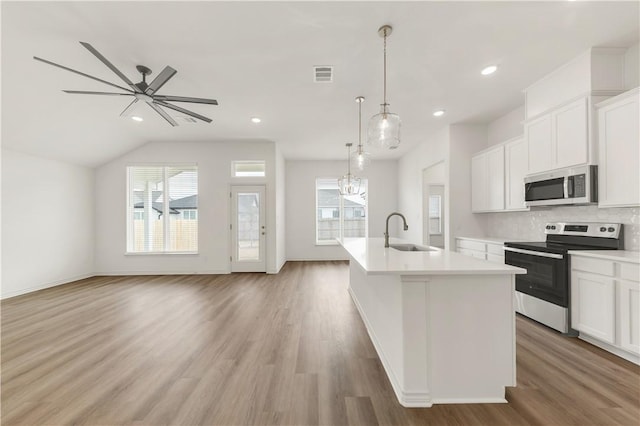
248 230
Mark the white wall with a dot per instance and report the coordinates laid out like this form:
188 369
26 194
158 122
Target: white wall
410 166
632 67
214 181
281 249
301 199
464 141
506 127
47 223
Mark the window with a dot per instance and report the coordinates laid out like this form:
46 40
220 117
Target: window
162 209
189 214
248 169
339 216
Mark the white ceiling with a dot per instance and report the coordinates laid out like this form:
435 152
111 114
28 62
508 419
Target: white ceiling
256 58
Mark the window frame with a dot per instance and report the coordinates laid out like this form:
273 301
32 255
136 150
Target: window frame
341 210
129 209
234 171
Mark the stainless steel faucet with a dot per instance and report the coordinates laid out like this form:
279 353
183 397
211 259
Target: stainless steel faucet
386 231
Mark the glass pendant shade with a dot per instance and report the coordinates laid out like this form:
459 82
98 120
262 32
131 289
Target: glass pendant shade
360 159
384 129
349 185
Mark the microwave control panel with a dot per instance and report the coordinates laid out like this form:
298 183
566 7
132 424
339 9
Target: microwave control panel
579 186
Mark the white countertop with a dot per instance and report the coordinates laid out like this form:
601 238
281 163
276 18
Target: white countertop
615 255
374 258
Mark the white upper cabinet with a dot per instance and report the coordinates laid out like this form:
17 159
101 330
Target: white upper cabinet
495 158
559 109
538 136
487 180
571 138
479 183
516 168
619 151
497 177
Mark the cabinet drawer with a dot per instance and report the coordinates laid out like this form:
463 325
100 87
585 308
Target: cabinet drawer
473 253
495 249
495 258
630 271
470 244
589 264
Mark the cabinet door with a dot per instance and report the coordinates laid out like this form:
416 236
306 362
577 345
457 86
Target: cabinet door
516 168
538 136
629 305
495 160
571 138
619 152
593 305
479 183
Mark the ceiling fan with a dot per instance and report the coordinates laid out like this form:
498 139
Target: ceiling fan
140 91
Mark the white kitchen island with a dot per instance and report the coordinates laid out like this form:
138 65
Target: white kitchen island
443 324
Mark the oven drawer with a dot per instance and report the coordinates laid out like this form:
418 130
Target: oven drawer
596 266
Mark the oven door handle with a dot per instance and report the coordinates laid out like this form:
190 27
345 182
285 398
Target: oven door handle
534 253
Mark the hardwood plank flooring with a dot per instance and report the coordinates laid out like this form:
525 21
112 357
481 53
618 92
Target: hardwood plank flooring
256 349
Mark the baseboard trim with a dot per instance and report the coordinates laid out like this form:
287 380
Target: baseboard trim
406 399
470 401
136 273
45 286
610 348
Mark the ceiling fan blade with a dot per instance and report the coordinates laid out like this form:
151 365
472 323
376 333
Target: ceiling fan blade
128 109
110 66
184 111
81 73
163 113
82 92
185 99
160 80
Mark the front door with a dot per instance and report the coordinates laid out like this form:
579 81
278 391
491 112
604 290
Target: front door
248 233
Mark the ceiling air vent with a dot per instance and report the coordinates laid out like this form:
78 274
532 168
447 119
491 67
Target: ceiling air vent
323 74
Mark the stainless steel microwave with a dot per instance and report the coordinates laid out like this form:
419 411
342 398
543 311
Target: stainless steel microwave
574 185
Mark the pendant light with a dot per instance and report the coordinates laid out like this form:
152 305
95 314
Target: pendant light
361 158
349 184
384 128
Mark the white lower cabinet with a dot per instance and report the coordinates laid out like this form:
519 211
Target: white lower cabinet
605 304
493 251
593 302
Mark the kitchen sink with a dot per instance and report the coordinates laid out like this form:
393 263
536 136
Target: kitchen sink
409 247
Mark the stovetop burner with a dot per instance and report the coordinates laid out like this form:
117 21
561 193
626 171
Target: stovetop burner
563 236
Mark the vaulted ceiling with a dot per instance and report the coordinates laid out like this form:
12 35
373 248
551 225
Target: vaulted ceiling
257 58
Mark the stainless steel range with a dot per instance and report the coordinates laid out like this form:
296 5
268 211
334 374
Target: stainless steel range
543 293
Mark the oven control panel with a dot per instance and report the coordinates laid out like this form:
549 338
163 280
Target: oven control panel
587 229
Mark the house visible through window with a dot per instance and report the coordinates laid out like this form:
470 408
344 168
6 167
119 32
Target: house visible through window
339 216
163 209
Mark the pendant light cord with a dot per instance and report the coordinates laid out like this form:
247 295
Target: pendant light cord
385 67
360 127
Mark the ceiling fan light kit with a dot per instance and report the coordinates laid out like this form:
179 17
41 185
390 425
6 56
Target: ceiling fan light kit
384 128
141 91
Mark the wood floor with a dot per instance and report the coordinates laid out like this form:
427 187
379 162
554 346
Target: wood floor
244 349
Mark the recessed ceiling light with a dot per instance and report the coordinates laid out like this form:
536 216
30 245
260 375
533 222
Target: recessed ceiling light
438 113
136 118
255 120
489 70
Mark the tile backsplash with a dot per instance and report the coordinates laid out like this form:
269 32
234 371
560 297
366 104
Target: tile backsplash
530 225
